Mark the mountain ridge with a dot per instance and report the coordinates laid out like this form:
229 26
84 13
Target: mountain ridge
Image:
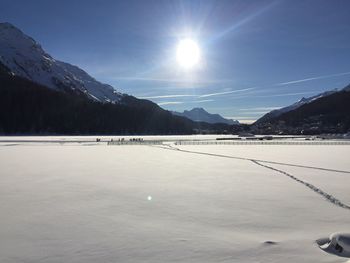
200 114
328 112
276 113
28 108
26 58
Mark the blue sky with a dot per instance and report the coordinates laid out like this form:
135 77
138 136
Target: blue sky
255 55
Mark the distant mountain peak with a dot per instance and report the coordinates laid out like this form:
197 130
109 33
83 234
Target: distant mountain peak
197 110
303 99
24 57
201 115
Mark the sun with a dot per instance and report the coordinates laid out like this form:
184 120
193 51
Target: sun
188 53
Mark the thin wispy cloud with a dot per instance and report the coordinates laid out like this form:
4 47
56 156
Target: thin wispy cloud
183 102
202 101
287 94
174 80
312 78
245 93
213 81
224 93
191 95
168 96
170 103
273 95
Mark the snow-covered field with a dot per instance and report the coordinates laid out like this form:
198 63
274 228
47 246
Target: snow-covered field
89 202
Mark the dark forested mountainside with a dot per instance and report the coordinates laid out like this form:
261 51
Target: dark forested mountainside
29 108
328 114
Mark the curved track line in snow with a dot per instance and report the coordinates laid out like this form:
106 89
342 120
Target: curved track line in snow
317 190
170 147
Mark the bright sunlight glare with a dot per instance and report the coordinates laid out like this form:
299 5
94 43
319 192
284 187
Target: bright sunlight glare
188 53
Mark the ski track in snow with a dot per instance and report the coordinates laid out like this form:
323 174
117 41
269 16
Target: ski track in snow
327 197
317 190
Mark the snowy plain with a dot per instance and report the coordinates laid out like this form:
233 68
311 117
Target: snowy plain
89 202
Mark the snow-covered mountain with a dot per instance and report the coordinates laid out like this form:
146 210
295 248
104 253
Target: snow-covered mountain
301 102
24 57
199 114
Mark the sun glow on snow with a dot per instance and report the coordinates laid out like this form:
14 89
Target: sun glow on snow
188 53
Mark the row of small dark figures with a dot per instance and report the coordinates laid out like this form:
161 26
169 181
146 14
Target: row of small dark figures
122 140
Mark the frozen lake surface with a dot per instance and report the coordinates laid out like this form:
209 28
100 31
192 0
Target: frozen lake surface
89 202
